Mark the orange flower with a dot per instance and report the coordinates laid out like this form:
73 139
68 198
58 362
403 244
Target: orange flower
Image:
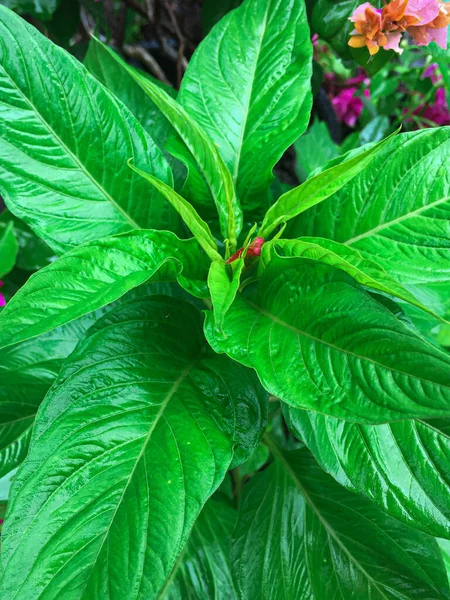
367 32
394 16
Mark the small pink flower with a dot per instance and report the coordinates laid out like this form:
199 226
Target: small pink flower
348 107
424 11
430 72
438 112
2 297
433 21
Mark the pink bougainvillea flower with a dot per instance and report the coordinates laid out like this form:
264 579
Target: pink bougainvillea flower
348 106
396 18
434 19
424 11
393 42
367 32
438 112
430 72
2 297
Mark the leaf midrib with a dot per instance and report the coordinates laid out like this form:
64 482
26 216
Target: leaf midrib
160 413
248 101
328 528
405 217
75 158
299 332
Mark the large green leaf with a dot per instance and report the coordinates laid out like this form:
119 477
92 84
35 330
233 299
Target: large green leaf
401 466
366 272
301 536
101 63
27 370
198 150
248 86
187 212
64 145
318 188
96 274
203 569
319 341
135 435
396 211
8 248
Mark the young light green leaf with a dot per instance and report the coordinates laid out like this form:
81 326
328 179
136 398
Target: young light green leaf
101 63
63 153
317 189
366 272
318 341
301 536
223 289
203 569
8 248
401 466
397 212
248 87
98 273
202 151
198 227
27 370
141 409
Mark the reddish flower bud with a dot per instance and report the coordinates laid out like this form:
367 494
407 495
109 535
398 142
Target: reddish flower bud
253 250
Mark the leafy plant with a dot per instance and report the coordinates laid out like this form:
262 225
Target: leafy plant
212 392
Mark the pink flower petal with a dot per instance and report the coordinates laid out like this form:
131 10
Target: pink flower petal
393 42
439 36
424 10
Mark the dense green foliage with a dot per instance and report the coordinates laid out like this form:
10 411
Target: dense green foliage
208 388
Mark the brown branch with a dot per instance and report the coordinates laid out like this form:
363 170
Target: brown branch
181 61
152 66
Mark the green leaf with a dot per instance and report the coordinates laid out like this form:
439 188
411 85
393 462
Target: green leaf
105 501
223 289
402 466
33 253
42 9
96 274
314 149
366 272
257 460
445 549
318 341
317 189
64 147
198 227
396 212
203 569
111 73
27 370
301 536
248 87
201 151
8 248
